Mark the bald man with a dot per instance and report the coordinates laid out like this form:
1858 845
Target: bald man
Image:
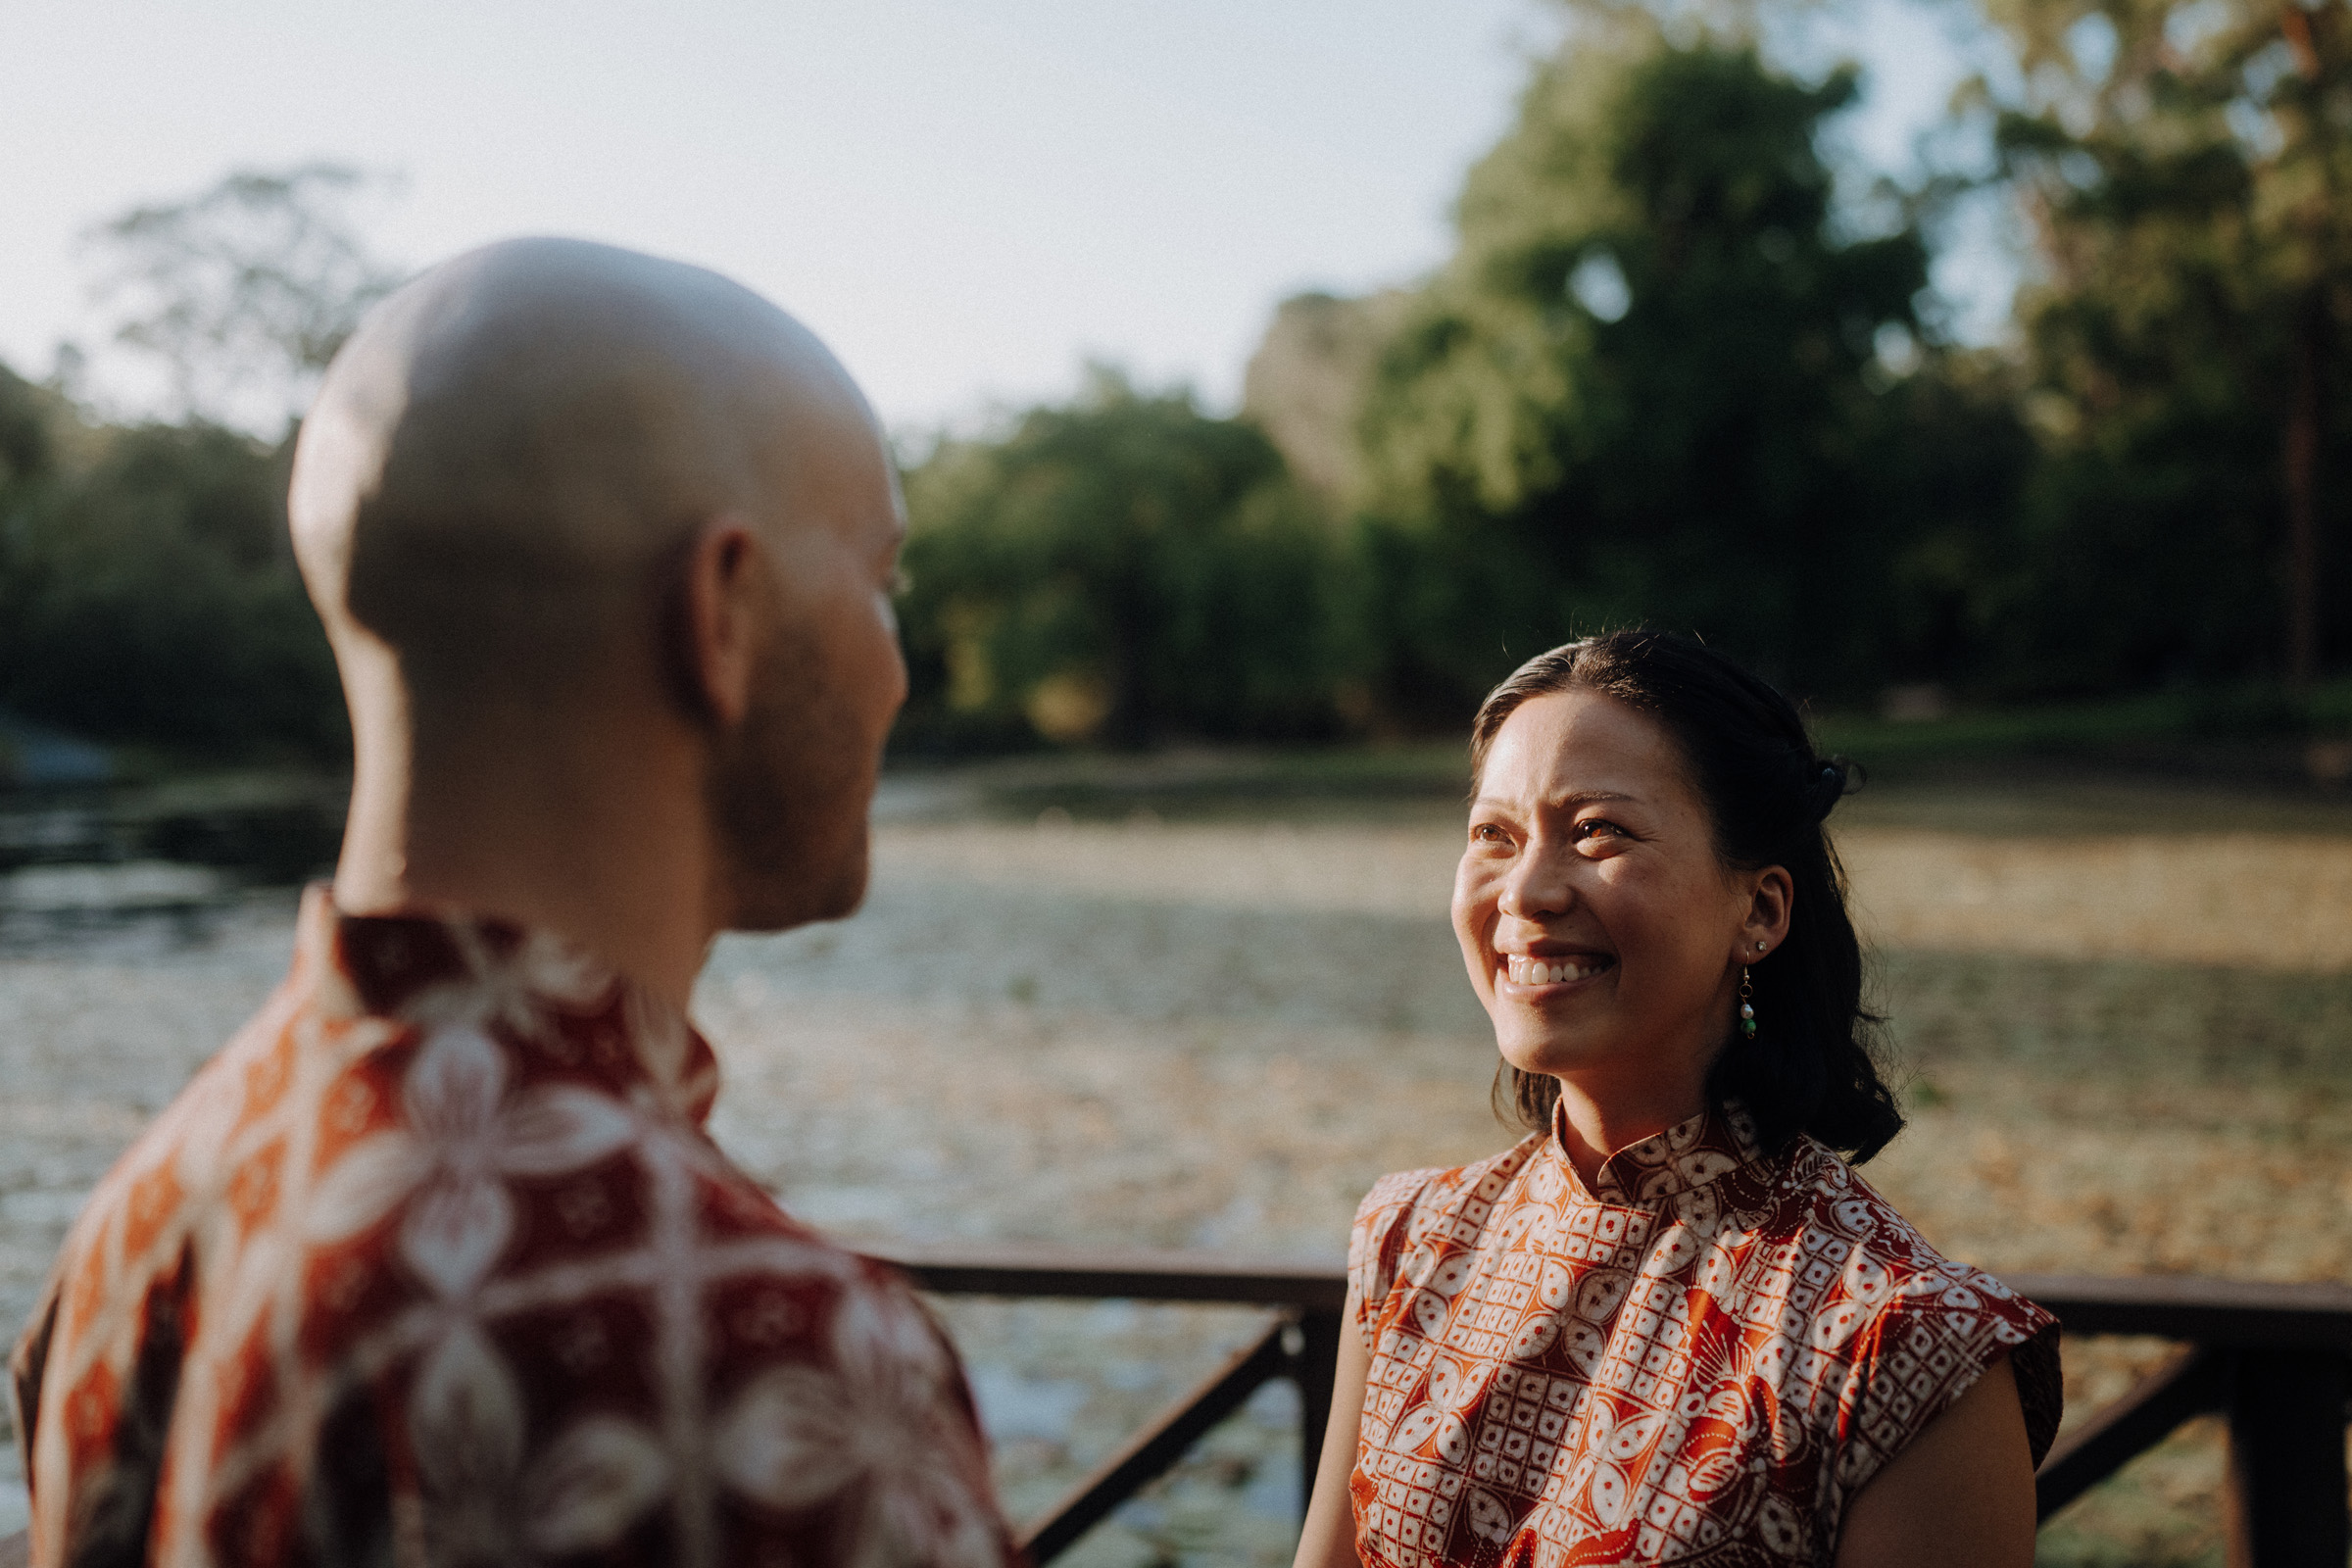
435 1263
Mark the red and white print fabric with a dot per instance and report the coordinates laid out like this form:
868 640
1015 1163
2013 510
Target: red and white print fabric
1698 1360
435 1264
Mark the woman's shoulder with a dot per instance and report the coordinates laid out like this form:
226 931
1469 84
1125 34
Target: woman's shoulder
1840 1216
1893 1301
1444 1188
1406 1206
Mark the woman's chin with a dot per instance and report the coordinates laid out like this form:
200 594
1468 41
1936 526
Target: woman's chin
1547 1053
1551 1029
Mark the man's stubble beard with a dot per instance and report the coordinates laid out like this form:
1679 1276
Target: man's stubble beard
789 792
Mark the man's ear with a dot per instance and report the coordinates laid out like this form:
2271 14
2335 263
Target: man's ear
722 619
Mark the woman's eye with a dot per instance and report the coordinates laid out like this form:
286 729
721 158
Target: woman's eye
1597 827
1486 833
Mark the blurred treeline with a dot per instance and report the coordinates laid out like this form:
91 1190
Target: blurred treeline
1682 368
147 588
148 594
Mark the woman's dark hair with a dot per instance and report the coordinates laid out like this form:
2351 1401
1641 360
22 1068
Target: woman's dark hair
1812 1065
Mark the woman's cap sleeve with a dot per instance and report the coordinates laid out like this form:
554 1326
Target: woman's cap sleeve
2040 1389
1939 1330
1376 1242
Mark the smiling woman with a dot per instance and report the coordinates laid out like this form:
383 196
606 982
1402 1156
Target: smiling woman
1671 1325
1692 792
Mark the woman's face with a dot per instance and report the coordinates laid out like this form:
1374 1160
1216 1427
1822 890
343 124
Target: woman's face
1602 931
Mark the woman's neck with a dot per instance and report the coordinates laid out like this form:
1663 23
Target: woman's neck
1597 1119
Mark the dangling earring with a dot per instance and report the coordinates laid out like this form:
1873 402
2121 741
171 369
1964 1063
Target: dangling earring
1748 1005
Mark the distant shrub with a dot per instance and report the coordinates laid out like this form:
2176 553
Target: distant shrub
147 590
1122 569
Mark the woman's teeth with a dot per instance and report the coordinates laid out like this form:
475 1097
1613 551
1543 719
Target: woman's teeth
1547 972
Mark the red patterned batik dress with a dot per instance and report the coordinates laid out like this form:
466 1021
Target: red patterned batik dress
1700 1359
435 1264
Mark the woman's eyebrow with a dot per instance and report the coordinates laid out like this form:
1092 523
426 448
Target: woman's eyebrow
1576 798
1571 801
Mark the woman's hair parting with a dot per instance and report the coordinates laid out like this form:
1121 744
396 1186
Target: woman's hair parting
1812 1065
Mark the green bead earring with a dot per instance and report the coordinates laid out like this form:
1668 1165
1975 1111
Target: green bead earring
1748 1005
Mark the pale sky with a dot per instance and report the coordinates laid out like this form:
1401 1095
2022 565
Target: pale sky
967 200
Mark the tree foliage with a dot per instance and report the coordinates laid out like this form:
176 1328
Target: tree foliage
147 590
244 291
1662 379
1671 374
1123 567
2185 165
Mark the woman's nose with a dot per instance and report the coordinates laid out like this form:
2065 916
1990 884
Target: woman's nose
1535 888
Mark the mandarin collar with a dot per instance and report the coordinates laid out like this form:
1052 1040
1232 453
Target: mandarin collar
1689 1155
430 968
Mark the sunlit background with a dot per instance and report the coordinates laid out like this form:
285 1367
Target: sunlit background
967 201
1268 379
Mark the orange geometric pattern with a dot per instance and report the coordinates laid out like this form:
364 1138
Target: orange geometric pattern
435 1264
1700 1359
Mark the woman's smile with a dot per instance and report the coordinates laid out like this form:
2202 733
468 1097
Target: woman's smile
1679 1037
1543 976
1596 917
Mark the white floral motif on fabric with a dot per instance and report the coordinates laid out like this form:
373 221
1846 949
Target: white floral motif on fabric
1699 1360
799 1435
435 1263
461 1139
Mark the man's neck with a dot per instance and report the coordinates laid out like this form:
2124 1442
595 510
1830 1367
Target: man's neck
592 835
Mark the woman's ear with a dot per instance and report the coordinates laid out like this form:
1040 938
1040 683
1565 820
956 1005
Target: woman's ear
1771 898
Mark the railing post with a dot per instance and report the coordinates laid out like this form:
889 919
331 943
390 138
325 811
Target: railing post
2286 1498
1313 1365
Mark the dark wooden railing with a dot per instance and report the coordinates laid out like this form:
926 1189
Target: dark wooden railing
2276 1360
1300 1343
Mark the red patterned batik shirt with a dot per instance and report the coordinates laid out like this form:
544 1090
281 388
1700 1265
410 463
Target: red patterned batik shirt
1700 1359
435 1264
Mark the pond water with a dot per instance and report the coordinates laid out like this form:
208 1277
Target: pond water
2127 1045
1137 1059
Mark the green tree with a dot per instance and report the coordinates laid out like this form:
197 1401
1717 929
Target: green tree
147 591
2185 165
1123 567
1663 378
245 290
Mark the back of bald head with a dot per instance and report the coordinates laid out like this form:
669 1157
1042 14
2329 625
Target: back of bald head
509 450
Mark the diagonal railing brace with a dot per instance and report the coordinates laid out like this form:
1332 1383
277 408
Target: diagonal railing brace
2189 1383
1152 1453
